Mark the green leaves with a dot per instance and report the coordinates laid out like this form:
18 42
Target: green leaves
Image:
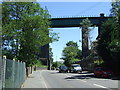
115 9
71 53
86 22
109 43
25 29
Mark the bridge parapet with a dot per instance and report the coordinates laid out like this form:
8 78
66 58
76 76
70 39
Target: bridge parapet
56 17
75 21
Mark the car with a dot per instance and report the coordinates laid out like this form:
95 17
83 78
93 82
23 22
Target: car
75 68
57 68
103 72
63 69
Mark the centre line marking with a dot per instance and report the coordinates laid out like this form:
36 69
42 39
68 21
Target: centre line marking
100 86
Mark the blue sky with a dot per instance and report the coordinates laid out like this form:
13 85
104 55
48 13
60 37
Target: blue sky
64 9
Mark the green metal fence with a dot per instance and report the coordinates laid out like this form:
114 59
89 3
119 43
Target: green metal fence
13 73
1 72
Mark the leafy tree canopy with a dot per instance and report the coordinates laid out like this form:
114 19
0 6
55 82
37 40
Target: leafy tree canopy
71 53
109 42
25 28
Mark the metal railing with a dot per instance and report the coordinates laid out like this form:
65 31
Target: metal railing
12 73
1 72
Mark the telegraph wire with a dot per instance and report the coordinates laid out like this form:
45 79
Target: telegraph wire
89 8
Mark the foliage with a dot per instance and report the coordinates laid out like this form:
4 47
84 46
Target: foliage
56 64
71 53
109 42
115 9
25 29
98 62
38 63
86 23
50 55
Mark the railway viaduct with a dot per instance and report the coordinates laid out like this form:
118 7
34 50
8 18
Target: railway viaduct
74 22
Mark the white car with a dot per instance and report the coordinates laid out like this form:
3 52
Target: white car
76 68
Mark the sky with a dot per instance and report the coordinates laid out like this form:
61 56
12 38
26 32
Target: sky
74 0
65 9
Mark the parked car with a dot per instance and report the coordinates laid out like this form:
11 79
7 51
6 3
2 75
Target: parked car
63 69
57 68
103 72
75 68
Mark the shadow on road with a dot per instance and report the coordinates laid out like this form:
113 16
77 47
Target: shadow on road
81 77
84 72
90 76
116 78
84 75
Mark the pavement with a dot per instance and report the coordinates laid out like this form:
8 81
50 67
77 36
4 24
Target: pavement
34 80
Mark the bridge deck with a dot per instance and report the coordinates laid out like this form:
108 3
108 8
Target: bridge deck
75 22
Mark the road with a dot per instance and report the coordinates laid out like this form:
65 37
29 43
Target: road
54 79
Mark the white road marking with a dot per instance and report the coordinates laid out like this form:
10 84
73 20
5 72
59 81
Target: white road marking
99 86
102 86
45 84
43 79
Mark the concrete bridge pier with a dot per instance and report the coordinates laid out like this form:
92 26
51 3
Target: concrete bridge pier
85 50
85 47
101 21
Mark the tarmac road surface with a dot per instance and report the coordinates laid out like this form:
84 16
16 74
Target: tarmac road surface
54 79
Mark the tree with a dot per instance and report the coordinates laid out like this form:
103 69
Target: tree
25 29
56 64
86 23
71 53
50 56
115 9
109 43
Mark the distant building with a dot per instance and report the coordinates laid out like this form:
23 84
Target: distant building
43 55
